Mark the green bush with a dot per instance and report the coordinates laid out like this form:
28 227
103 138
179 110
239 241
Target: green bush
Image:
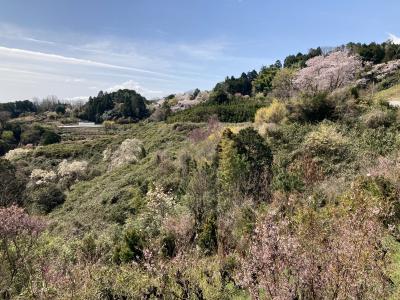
327 143
232 112
4 147
274 113
45 198
379 141
312 109
12 185
207 239
32 135
168 245
8 137
131 248
50 137
377 118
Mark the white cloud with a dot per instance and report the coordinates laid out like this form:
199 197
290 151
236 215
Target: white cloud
72 63
10 31
133 85
28 54
395 39
78 98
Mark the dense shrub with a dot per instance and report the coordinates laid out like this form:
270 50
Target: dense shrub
50 137
4 147
377 118
125 104
312 108
131 248
45 198
8 137
207 239
274 113
130 151
19 235
288 257
12 184
244 164
327 146
234 112
168 245
32 135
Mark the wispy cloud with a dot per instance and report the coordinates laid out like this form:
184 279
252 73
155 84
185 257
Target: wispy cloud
70 64
395 39
28 54
10 31
209 50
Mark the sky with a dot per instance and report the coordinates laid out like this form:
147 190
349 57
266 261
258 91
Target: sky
75 48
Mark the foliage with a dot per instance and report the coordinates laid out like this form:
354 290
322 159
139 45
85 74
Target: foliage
207 239
232 85
212 210
131 248
16 153
300 59
244 163
19 233
274 113
121 104
45 198
312 108
264 81
18 107
234 112
283 83
376 53
327 143
39 176
130 151
11 185
288 257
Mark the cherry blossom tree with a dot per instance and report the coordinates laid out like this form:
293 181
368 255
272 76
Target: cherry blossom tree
326 73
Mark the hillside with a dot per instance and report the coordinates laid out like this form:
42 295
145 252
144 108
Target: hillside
278 184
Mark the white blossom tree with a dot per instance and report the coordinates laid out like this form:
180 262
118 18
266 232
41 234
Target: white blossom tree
326 73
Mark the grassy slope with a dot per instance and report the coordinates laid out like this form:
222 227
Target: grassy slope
389 94
92 205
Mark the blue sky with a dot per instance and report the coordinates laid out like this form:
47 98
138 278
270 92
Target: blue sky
73 49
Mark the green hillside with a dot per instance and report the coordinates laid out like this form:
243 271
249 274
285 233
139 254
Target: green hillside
282 184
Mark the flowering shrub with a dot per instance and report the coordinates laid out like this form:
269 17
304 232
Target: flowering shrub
18 236
39 176
159 201
74 168
326 142
318 255
130 151
16 153
274 113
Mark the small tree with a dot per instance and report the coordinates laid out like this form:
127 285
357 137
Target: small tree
283 83
4 117
11 186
